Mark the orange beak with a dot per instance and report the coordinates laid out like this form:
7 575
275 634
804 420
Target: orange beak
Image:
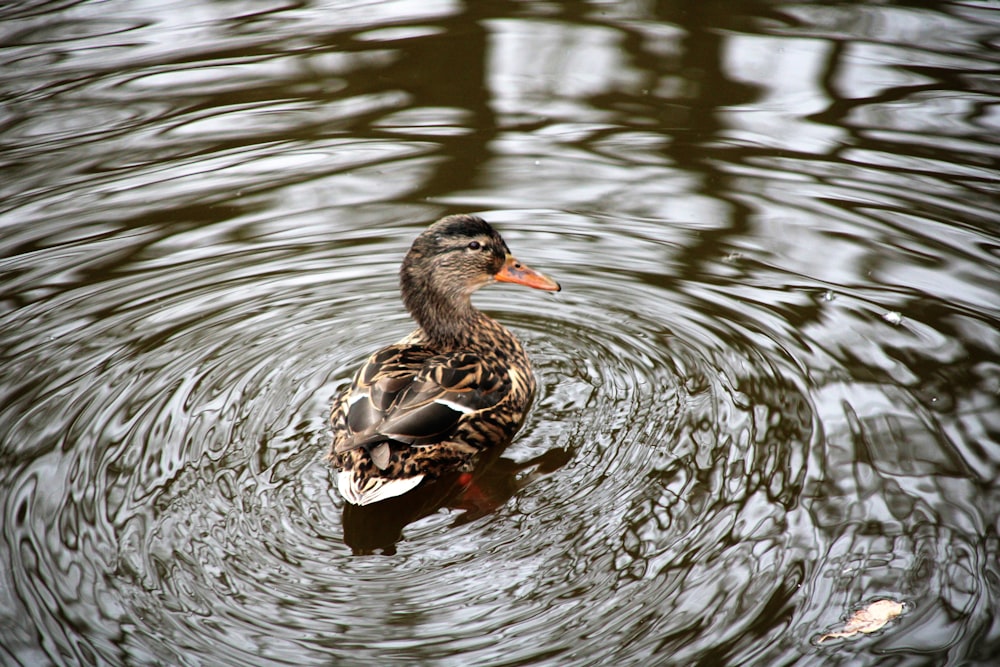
515 272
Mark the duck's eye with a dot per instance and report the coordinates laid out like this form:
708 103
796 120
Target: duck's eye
474 245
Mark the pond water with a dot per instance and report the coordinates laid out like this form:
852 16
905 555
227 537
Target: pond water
769 393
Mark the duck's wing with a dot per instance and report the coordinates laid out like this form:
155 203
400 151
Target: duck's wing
376 387
408 395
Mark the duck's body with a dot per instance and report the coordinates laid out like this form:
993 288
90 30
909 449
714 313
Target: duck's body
459 384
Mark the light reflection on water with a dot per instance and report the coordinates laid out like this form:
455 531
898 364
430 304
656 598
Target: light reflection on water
768 392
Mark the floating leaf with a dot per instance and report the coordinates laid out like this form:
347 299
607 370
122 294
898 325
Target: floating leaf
867 619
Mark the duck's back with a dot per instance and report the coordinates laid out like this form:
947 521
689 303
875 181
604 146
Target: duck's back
414 412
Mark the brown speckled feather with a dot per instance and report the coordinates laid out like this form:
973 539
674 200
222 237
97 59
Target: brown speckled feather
412 412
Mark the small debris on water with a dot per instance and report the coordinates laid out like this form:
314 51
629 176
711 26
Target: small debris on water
866 620
893 317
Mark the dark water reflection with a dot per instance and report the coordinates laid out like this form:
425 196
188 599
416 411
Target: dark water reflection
768 393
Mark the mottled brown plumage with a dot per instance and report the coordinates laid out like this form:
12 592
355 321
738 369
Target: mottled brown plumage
459 384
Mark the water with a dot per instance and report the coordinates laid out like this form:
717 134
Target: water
768 392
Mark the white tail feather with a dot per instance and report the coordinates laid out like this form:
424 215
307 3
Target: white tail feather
373 489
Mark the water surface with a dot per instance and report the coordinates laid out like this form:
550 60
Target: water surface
768 392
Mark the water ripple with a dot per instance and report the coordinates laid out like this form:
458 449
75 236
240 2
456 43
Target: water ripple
767 391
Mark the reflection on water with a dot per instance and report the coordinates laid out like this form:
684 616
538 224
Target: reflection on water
768 394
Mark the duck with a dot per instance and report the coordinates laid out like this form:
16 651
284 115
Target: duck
457 386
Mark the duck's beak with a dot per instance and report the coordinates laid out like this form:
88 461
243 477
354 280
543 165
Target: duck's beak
514 271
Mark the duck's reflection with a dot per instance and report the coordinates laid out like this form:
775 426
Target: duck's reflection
376 528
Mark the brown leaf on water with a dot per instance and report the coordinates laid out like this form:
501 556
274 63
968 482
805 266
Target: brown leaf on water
868 619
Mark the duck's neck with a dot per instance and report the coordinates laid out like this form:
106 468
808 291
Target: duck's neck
448 319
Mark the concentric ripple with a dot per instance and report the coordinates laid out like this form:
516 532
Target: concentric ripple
664 472
193 489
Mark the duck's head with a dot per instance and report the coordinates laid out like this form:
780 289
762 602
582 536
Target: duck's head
452 259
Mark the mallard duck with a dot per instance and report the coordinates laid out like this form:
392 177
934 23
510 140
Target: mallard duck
456 386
